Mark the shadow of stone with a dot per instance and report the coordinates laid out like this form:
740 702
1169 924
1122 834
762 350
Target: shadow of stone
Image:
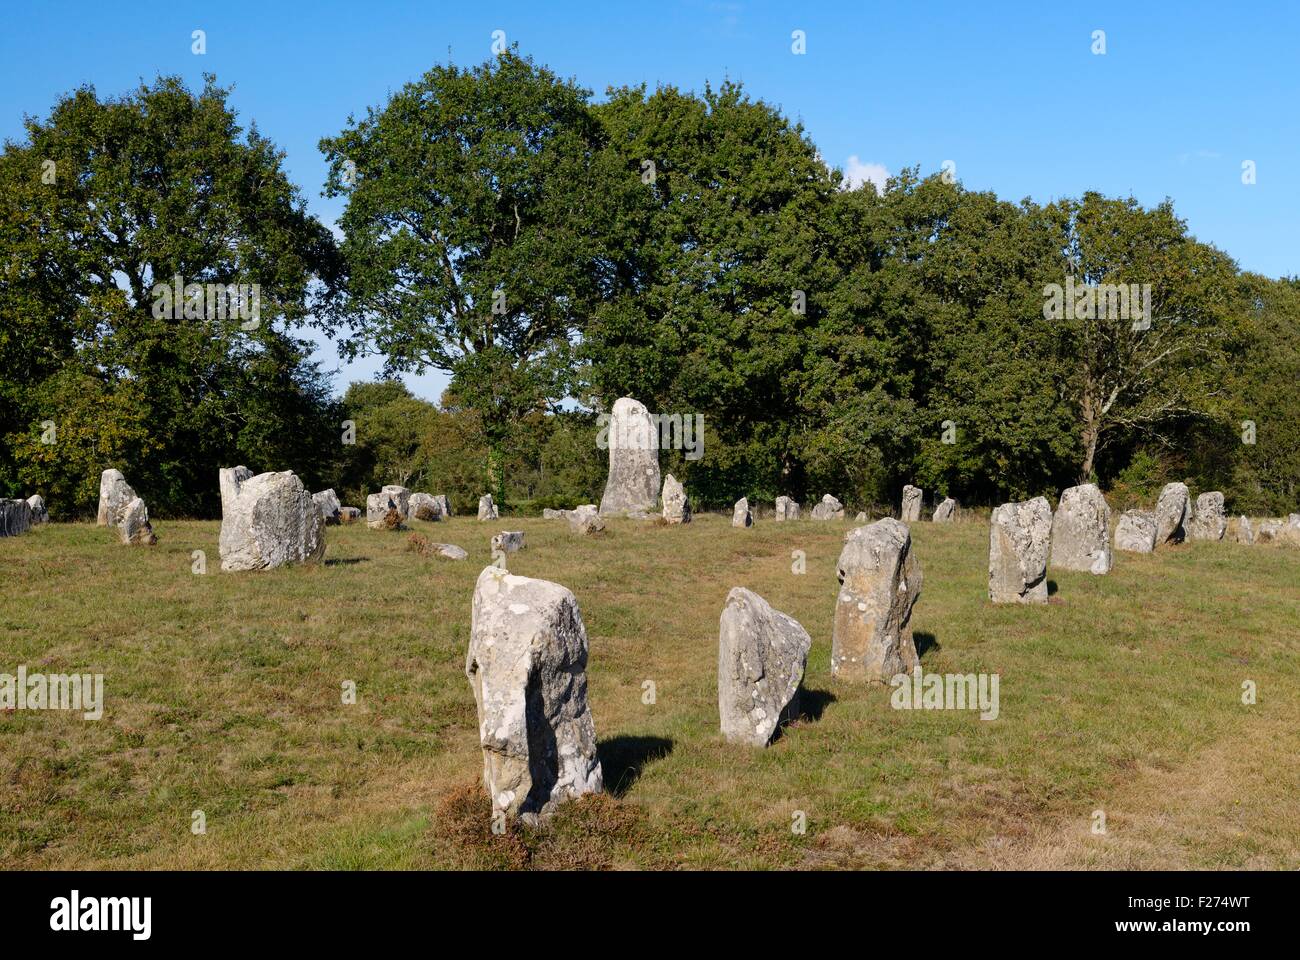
925 642
346 561
622 759
1051 588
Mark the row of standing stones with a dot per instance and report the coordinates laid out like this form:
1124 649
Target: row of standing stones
527 655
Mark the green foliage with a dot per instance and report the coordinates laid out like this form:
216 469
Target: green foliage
106 199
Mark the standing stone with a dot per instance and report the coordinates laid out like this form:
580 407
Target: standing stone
1081 531
135 527
272 520
425 506
1245 533
762 654
115 494
945 512
786 509
39 513
507 541
585 519
400 497
1172 514
740 514
861 517
15 517
1019 540
828 509
880 581
1209 520
328 505
677 506
487 510
349 514
527 665
912 497
229 479
633 484
1268 531
1136 531
444 505
379 506
550 513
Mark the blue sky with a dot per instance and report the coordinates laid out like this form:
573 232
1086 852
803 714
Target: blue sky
1011 93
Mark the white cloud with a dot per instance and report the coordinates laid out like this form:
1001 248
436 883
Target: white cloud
856 173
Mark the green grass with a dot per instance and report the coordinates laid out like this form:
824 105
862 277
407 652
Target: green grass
223 694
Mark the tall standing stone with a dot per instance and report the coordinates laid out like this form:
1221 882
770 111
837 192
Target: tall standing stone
741 515
135 528
945 512
1081 531
115 494
1019 541
880 581
762 654
786 509
911 509
527 666
677 506
828 509
271 521
1172 514
1210 520
487 509
633 484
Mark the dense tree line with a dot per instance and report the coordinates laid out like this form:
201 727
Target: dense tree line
551 252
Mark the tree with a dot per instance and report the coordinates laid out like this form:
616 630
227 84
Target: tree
477 200
1137 372
112 206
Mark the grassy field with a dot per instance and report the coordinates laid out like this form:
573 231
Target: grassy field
223 694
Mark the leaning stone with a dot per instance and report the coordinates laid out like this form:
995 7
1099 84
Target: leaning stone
272 521
786 509
527 666
1172 514
39 514
507 541
944 512
1019 541
425 506
911 510
15 517
487 510
135 527
633 483
115 495
1136 531
1209 519
740 514
677 506
328 504
1081 531
880 581
828 509
762 654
